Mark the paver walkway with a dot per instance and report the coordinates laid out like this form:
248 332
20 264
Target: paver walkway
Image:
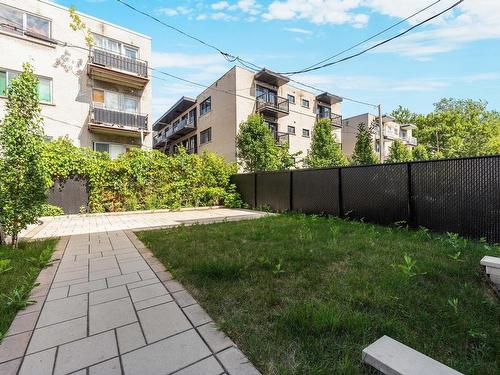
109 307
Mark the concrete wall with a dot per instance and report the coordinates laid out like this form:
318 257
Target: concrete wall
68 113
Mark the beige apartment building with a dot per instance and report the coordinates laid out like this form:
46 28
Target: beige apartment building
211 120
98 98
391 131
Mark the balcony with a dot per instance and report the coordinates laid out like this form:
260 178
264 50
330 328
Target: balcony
272 105
412 141
119 123
336 119
159 140
180 129
111 67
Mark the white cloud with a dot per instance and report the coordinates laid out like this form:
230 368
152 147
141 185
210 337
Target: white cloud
298 30
220 5
318 11
172 12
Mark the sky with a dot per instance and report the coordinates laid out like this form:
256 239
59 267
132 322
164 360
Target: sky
456 55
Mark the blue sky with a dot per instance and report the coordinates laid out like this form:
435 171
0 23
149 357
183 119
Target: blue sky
457 55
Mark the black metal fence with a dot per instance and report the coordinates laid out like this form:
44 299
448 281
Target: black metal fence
452 195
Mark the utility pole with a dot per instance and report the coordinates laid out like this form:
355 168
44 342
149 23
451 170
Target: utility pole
381 133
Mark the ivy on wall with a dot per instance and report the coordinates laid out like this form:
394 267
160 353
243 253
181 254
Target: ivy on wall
143 180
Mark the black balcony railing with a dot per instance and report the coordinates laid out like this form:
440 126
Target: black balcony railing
115 61
336 119
131 120
270 101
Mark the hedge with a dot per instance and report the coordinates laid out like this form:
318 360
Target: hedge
143 180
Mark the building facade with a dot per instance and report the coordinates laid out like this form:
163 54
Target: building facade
100 97
211 121
391 131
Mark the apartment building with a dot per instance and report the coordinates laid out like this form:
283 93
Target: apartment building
99 98
211 120
391 131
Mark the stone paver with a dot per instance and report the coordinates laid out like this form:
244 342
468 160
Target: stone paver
108 306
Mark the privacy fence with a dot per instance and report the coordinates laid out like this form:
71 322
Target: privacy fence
452 195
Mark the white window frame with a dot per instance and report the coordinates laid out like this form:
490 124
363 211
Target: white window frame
25 21
122 45
126 145
10 71
121 101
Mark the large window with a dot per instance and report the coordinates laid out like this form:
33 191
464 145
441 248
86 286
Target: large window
115 101
44 85
20 22
113 149
115 46
206 106
206 136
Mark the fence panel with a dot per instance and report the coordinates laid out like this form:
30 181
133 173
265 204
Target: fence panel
377 193
316 191
245 184
70 195
461 196
273 189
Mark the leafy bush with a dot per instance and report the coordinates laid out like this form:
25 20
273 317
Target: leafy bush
141 179
51 210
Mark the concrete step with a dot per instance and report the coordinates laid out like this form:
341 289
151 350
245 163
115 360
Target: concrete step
393 358
489 261
493 271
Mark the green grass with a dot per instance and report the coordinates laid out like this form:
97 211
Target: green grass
18 275
305 295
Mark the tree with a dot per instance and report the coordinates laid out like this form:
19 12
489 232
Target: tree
257 149
22 182
456 128
325 151
403 115
363 150
398 152
420 153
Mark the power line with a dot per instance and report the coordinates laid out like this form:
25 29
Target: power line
374 36
228 56
376 45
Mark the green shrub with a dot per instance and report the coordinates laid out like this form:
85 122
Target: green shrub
141 180
51 210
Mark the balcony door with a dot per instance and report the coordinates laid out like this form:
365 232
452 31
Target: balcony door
115 101
266 95
324 111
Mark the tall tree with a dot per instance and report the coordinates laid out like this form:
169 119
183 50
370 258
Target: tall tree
363 150
325 151
22 182
398 152
257 149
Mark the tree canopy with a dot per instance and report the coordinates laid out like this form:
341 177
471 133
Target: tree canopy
456 128
325 151
257 149
363 150
398 152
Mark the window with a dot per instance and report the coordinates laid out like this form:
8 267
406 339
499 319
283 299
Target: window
192 116
115 46
206 106
18 21
291 98
101 147
206 136
45 90
305 103
305 133
291 129
115 101
44 85
113 149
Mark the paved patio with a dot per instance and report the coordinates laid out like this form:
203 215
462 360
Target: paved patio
108 306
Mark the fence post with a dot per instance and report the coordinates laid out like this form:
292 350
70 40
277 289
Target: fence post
341 201
291 190
411 202
255 190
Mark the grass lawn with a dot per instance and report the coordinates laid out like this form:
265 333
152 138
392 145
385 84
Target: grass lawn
305 295
16 282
